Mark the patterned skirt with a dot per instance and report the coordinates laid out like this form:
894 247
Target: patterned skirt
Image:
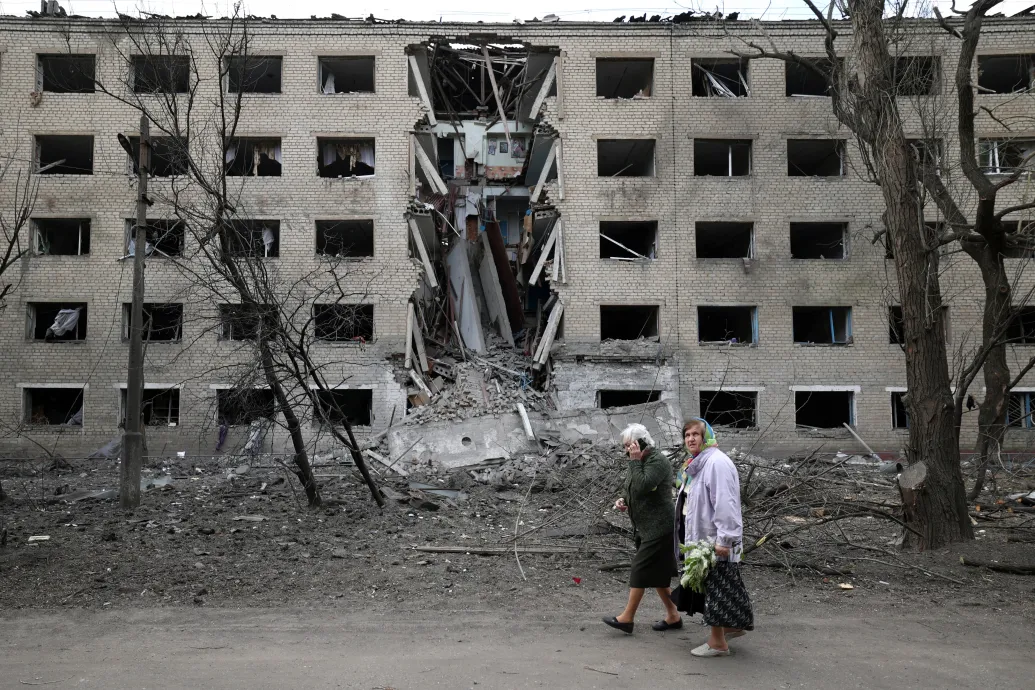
726 600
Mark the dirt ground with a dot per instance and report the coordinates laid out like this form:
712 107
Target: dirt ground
204 539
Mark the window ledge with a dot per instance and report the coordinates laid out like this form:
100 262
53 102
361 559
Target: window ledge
821 433
57 342
724 343
53 428
355 259
848 344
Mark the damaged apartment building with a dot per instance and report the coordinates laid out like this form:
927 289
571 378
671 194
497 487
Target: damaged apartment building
636 214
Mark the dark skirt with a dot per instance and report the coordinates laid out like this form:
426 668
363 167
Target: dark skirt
654 563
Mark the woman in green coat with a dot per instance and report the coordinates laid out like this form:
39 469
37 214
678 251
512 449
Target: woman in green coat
648 500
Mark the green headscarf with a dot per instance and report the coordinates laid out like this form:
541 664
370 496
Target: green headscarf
708 442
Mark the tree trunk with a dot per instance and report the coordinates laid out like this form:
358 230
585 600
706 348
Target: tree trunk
303 470
938 513
996 370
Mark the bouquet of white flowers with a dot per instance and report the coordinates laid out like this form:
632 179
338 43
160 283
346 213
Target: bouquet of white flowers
698 558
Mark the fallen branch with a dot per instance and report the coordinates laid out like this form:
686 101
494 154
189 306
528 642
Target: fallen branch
1000 567
804 565
499 551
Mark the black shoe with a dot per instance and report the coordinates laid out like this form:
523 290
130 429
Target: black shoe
663 625
619 625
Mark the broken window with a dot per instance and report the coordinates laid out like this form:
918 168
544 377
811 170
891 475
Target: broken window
727 325
338 405
916 75
928 152
609 399
345 157
722 77
720 240
628 322
251 156
62 236
243 322
346 74
822 325
162 322
628 240
257 238
625 77
819 240
345 238
800 80
625 157
899 413
54 406
1021 329
447 158
59 154
168 156
722 157
158 406
815 157
1006 156
1019 410
57 321
896 326
823 409
1021 238
734 409
161 74
1006 73
344 322
66 73
164 237
242 406
253 74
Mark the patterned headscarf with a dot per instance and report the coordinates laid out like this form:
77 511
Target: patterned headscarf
708 441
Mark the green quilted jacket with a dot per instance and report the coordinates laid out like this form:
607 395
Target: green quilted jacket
648 493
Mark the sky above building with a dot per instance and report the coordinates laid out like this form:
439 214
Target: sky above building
459 10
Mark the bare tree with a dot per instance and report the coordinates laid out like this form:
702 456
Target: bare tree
15 218
178 81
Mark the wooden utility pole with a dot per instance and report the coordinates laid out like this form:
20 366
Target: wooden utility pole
132 437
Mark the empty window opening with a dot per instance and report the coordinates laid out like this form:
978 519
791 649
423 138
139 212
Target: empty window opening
896 326
625 77
344 322
253 74
54 406
1021 232
164 237
609 399
257 238
340 405
242 406
628 322
1021 330
1006 73
818 240
725 240
1019 411
823 409
625 157
899 413
58 321
916 75
253 157
347 74
67 73
447 157
345 157
723 77
727 325
161 74
240 321
628 240
162 322
928 152
58 154
345 238
168 156
734 409
1006 156
62 236
800 80
815 157
158 407
722 157
822 325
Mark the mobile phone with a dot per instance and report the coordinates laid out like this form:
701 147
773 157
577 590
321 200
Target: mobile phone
643 444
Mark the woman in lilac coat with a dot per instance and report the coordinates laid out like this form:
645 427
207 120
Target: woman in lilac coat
708 507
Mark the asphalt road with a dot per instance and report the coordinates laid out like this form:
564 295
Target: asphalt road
333 648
